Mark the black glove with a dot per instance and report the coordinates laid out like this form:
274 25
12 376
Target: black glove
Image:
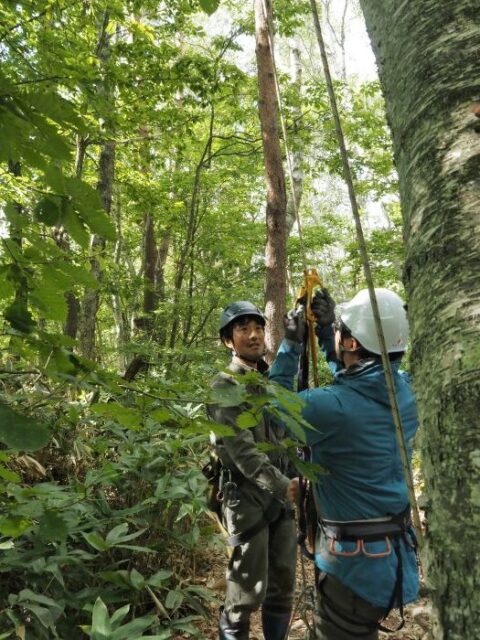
294 323
323 308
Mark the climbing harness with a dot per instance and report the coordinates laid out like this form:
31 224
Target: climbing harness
388 530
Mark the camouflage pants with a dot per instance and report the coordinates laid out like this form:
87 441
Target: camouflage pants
260 572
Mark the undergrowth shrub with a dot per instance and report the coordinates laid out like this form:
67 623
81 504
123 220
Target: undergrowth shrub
99 530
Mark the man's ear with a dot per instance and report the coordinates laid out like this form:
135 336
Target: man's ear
350 345
355 344
228 343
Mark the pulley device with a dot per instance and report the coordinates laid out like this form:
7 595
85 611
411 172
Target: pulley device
304 299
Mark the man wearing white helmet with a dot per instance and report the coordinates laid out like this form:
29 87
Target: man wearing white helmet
365 546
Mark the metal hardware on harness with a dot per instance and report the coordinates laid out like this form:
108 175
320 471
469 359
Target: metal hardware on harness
364 531
381 554
220 494
226 486
360 548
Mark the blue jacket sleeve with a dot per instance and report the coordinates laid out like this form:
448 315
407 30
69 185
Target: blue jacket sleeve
285 365
318 402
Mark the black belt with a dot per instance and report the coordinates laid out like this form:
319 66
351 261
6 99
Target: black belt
367 530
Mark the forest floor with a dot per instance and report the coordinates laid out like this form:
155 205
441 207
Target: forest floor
211 573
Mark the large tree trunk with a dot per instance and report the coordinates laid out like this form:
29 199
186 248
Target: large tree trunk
275 253
427 54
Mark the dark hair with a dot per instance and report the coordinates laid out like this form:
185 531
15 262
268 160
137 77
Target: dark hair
227 332
362 352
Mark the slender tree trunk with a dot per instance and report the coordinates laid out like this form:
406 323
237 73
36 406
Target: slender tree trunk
427 54
73 305
275 253
145 322
106 171
187 247
296 153
120 315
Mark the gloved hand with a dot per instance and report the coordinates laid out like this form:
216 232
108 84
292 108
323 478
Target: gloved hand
294 323
323 308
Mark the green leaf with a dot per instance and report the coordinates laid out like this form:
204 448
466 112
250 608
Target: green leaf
247 419
209 6
14 526
18 315
310 470
137 580
119 615
6 285
116 534
160 415
174 599
126 631
9 476
159 578
126 416
52 527
75 226
86 201
229 396
20 432
47 210
292 424
77 275
43 614
96 541
54 106
49 298
27 595
101 627
99 222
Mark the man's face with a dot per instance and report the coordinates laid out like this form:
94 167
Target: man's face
248 339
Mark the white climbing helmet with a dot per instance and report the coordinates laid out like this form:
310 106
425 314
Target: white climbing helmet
357 316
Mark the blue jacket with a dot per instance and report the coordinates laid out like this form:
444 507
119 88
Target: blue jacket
354 440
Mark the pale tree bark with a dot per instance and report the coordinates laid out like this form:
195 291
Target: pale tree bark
275 252
296 151
106 171
427 54
338 32
122 328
